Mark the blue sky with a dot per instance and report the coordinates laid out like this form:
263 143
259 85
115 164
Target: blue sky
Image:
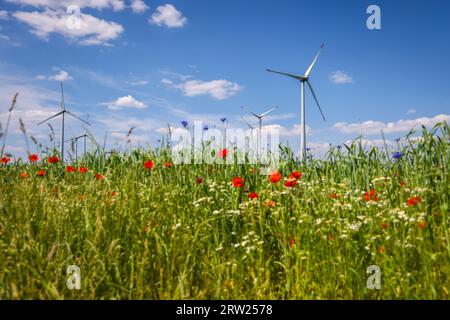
149 63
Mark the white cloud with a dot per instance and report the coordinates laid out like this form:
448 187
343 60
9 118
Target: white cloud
90 31
340 77
60 76
168 16
138 82
125 102
138 6
411 111
217 89
3 15
375 127
116 5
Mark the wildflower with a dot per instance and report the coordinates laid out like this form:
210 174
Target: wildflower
53 159
5 160
384 225
113 194
223 119
275 177
413 201
33 157
148 164
271 203
83 170
253 195
223 153
167 164
295 175
292 242
402 184
422 224
40 173
331 237
205 127
381 249
198 180
24 175
238 182
98 176
397 155
70 168
290 183
333 195
184 123
371 195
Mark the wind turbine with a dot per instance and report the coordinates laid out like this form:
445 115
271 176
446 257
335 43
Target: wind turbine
259 117
62 113
303 79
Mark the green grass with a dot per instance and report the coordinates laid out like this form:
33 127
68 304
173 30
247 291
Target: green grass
163 236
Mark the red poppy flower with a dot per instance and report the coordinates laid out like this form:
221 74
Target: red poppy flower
53 159
40 173
113 193
238 182
331 237
295 175
167 164
422 224
253 195
381 249
290 183
148 164
5 160
70 169
333 196
223 153
198 180
371 195
413 201
83 170
33 157
271 203
98 176
292 242
24 175
402 184
384 225
275 177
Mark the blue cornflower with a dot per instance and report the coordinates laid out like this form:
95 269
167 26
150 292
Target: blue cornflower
397 155
223 119
205 127
184 123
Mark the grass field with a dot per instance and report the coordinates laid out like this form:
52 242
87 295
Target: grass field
192 231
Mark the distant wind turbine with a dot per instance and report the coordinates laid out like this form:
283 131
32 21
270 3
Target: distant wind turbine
62 113
303 79
260 118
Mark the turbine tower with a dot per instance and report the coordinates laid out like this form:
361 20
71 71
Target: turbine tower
303 79
62 113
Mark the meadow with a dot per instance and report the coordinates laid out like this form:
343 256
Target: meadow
141 227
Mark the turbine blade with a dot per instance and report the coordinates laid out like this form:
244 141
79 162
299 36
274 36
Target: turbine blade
76 117
295 76
55 115
248 124
315 98
269 111
308 71
244 108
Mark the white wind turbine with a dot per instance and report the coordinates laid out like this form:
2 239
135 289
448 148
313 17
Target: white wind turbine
303 79
62 112
260 118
